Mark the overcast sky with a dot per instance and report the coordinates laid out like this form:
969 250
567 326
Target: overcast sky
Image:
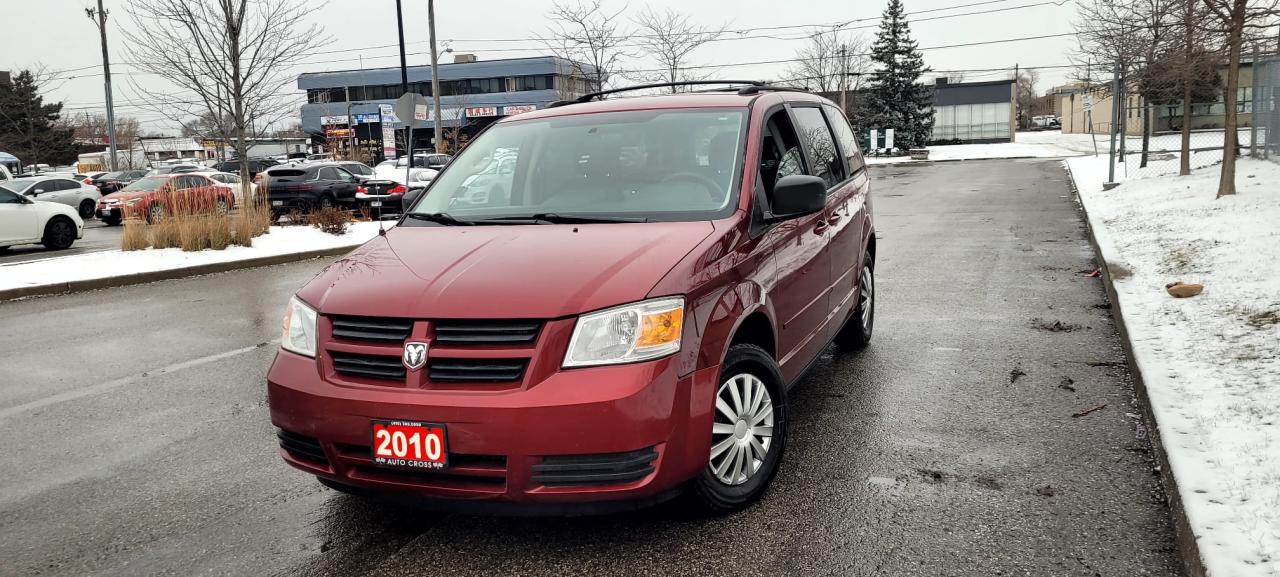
57 34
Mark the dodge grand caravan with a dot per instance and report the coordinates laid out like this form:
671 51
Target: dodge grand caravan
614 321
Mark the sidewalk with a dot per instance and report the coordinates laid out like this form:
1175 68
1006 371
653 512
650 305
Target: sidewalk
103 269
1045 144
1210 363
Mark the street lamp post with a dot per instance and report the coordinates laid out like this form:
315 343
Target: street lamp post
435 74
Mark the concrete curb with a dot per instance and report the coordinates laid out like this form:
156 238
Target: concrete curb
169 274
909 161
1184 538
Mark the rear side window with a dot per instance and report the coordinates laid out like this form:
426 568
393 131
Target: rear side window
327 173
287 173
820 145
844 136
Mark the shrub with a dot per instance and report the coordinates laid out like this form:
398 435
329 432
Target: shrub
166 233
218 231
331 220
135 234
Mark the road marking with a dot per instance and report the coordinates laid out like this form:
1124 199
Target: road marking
112 384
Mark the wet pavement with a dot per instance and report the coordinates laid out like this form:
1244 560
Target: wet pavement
136 436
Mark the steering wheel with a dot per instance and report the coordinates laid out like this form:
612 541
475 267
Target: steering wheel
713 189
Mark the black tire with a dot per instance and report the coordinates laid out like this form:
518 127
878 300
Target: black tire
86 208
59 233
710 493
856 334
221 208
326 201
110 221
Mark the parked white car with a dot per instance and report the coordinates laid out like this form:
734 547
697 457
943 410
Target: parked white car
5 174
395 170
26 221
60 189
231 181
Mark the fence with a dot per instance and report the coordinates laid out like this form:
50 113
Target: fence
1147 125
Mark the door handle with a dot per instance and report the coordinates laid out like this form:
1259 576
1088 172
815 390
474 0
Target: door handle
834 218
821 227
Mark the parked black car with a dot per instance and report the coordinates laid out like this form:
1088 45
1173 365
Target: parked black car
308 187
256 165
359 169
112 181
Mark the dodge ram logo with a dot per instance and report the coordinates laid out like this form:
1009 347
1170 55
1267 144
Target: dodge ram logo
415 355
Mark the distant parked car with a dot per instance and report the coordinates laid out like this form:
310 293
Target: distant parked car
89 176
174 169
62 190
256 166
148 196
309 186
112 181
231 180
27 221
358 169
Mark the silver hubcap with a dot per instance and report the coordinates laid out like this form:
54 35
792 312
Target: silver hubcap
743 429
868 292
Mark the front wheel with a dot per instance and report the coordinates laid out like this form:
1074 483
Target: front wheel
748 433
856 333
59 233
86 209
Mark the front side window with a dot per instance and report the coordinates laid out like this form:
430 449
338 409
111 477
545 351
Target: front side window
844 135
820 145
147 184
9 197
652 164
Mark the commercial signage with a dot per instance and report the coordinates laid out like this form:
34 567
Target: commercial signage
339 132
334 120
388 115
1088 102
448 113
481 111
368 118
514 110
419 111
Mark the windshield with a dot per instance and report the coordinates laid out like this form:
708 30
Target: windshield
651 164
146 184
19 184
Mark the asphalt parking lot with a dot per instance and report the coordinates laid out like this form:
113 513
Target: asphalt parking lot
986 431
97 237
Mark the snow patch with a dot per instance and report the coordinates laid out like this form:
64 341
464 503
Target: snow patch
112 263
1211 363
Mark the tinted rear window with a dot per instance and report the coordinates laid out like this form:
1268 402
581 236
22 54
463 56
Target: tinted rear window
287 172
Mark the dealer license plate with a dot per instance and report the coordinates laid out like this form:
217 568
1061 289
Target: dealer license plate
376 204
410 444
277 203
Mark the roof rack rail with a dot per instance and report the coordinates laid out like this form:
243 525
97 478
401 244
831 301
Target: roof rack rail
746 90
594 95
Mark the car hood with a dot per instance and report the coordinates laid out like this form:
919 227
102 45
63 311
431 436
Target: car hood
520 271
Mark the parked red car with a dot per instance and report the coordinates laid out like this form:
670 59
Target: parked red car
615 321
149 195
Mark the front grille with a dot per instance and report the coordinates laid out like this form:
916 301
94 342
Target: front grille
371 329
475 370
368 366
486 332
606 469
466 472
302 447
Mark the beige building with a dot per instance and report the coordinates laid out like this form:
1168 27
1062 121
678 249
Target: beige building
1167 118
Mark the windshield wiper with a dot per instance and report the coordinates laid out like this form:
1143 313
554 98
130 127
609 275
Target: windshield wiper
560 218
439 218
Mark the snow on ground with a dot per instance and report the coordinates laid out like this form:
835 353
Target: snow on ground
1055 144
95 265
1211 362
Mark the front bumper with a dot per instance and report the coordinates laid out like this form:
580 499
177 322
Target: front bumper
500 442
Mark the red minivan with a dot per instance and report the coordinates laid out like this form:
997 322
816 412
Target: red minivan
612 322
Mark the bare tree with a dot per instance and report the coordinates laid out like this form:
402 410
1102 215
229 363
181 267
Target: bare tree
93 127
586 33
1026 96
670 38
1234 19
832 60
230 57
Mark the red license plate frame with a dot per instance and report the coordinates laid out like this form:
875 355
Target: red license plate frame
405 452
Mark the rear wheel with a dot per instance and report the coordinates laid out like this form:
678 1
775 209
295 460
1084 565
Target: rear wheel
155 213
59 233
856 333
221 207
748 433
86 208
326 201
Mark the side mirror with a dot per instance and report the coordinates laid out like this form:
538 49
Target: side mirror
36 191
797 195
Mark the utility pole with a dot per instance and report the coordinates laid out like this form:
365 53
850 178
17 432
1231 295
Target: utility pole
404 89
844 76
435 73
1017 95
99 17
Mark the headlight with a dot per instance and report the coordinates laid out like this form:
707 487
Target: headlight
626 334
299 328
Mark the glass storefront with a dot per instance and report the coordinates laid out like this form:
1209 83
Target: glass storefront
971 122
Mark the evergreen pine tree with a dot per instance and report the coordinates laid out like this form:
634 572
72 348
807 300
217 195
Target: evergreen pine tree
28 126
897 99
